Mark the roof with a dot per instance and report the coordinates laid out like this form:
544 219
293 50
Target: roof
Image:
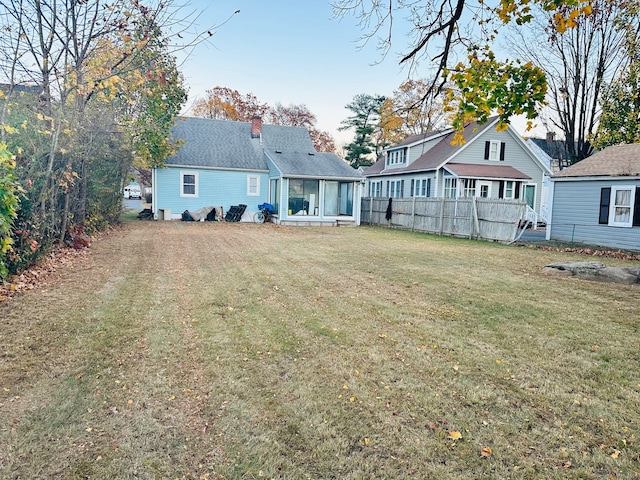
306 164
438 154
470 170
228 145
614 161
555 149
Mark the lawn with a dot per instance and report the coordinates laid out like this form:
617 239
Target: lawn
229 351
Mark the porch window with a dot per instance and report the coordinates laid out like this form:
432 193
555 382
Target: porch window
509 189
469 186
303 196
450 187
274 194
338 198
188 184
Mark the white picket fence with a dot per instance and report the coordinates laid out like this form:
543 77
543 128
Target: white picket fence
479 218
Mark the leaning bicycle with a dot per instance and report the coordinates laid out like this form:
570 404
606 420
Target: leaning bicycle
264 213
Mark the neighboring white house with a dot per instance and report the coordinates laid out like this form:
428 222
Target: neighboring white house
489 164
597 200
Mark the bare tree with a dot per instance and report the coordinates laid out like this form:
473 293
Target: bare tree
577 64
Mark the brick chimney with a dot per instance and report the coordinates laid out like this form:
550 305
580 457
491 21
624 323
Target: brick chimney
551 137
256 127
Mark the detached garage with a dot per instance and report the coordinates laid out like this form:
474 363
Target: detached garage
597 201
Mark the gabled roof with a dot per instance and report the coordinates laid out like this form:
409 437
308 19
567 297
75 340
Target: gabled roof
316 165
470 170
439 154
614 161
226 144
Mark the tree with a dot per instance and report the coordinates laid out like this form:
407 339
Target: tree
444 29
365 121
577 64
620 118
106 89
300 116
411 110
228 104
8 206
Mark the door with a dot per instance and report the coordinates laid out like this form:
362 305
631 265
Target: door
483 189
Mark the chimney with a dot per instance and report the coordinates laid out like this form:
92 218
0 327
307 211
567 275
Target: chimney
551 136
256 127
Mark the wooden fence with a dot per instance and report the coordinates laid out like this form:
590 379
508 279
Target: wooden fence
480 218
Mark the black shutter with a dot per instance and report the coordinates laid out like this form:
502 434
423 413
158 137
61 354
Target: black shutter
487 145
636 209
517 190
605 199
501 189
502 145
411 193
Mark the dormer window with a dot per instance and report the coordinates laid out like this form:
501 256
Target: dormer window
396 157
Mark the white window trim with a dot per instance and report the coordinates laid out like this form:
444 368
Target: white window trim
189 195
612 205
479 185
496 157
513 190
257 192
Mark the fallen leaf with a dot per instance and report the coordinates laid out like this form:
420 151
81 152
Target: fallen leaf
455 435
567 465
486 452
615 454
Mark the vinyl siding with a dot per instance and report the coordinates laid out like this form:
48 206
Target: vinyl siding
515 156
215 188
418 150
575 212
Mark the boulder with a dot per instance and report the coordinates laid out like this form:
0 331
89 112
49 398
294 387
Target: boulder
595 271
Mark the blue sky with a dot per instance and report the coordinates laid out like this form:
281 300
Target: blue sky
292 52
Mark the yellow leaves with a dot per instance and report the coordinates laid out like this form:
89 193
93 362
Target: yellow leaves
455 435
486 452
615 454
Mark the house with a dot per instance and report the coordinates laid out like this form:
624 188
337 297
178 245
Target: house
554 150
226 163
597 200
490 164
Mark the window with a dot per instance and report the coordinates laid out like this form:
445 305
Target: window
274 194
396 157
338 198
620 206
188 184
509 189
420 187
375 189
494 150
483 189
450 187
395 188
303 196
253 185
469 186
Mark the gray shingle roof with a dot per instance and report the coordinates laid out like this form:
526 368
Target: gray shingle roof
228 145
616 161
318 165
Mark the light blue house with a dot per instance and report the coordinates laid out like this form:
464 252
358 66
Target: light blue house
225 163
597 200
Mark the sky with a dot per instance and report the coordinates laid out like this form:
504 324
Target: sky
292 52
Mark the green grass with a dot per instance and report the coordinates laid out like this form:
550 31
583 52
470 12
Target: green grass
190 350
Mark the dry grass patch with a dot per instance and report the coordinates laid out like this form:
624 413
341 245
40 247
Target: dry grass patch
181 350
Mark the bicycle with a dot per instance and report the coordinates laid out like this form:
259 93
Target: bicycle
264 214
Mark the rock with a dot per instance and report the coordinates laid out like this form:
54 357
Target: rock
595 271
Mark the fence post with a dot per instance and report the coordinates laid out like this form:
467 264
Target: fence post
413 214
441 215
476 222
